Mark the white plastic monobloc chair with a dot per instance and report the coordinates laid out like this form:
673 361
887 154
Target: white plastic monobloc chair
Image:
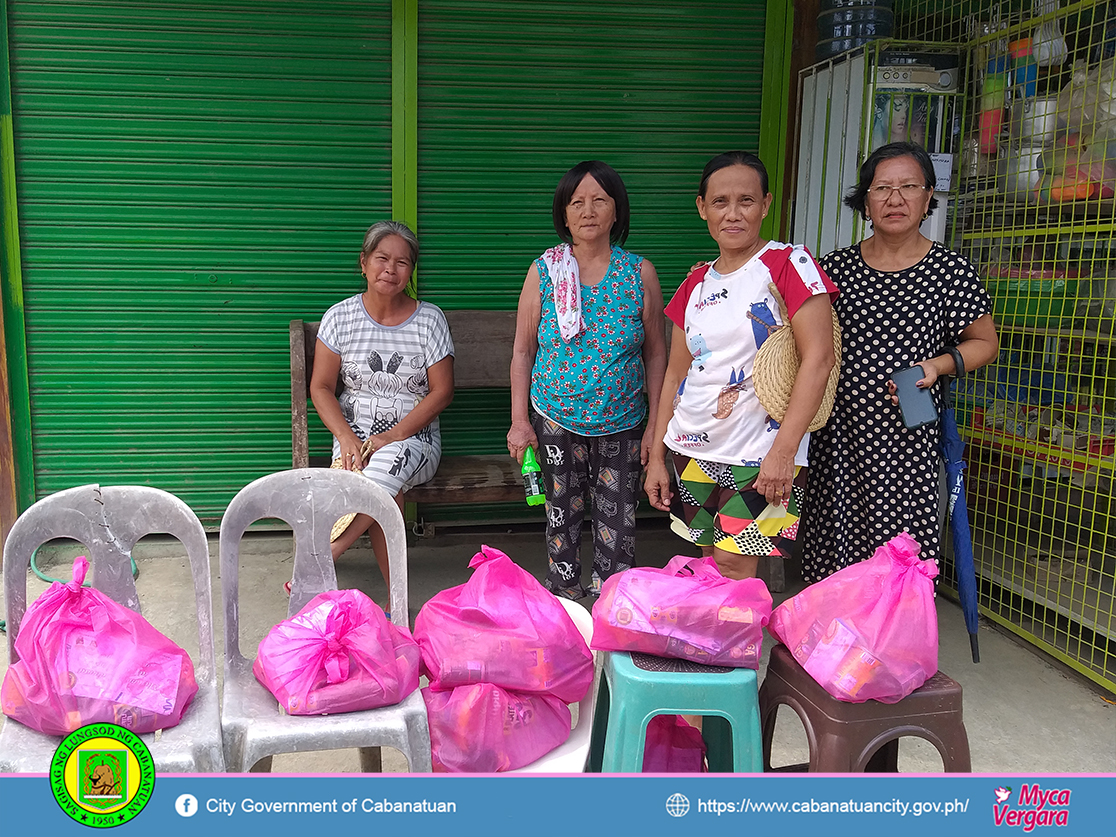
572 755
311 500
108 521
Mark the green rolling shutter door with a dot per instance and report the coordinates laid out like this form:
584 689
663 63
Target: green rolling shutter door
190 178
512 94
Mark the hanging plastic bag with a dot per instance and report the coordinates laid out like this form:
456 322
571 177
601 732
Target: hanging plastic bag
482 728
338 654
673 746
869 631
1087 104
84 659
686 610
1047 44
503 627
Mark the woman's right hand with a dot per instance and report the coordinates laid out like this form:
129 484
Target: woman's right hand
657 484
351 457
520 437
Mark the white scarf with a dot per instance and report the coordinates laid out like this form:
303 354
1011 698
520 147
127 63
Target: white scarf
564 277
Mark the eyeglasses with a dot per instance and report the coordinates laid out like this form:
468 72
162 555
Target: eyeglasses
908 191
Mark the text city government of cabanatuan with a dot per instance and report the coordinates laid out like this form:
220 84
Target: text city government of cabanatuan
229 807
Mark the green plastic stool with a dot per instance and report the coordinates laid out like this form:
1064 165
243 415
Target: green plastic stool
636 687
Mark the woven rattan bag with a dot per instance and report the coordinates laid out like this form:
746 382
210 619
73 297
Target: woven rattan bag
777 364
344 520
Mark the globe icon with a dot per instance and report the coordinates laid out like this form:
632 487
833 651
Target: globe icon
677 805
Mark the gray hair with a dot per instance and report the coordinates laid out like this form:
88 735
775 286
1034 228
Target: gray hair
381 230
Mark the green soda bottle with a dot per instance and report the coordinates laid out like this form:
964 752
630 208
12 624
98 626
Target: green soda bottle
532 478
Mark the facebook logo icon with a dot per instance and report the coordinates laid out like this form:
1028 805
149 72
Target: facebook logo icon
186 805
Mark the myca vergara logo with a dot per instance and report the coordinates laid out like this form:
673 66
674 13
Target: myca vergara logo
1033 807
102 775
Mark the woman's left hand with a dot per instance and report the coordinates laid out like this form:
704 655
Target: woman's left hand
929 376
776 477
372 444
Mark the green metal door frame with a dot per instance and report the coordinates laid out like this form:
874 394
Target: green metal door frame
775 107
404 117
14 352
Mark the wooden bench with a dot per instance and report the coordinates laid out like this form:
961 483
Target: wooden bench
482 342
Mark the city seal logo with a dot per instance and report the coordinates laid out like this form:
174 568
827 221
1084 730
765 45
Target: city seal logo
102 775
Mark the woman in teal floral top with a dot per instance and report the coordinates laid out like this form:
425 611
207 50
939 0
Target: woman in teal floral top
588 341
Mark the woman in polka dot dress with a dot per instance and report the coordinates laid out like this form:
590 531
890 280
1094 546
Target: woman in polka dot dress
903 299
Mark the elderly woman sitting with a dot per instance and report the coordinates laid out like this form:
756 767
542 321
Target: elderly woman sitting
395 358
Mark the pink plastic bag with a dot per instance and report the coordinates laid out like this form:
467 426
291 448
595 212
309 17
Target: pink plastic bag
673 746
686 610
338 654
503 627
869 631
84 659
485 729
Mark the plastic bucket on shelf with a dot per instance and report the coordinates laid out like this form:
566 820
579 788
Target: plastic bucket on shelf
856 22
847 24
1019 173
1026 297
1024 70
835 46
827 5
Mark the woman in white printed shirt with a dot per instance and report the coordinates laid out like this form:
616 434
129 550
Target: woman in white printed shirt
740 473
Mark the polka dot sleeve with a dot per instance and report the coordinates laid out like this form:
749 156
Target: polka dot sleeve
968 301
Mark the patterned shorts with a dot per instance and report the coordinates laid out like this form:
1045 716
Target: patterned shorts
719 507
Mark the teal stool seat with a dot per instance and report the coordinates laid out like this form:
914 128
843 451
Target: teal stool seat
636 687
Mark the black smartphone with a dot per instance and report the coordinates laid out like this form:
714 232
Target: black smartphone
915 405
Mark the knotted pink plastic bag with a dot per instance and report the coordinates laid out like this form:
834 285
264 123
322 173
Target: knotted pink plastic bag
503 627
338 654
84 659
869 631
673 746
482 728
686 610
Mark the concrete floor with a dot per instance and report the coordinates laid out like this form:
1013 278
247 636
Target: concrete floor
1023 713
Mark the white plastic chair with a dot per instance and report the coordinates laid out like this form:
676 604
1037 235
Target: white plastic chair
108 521
573 755
255 729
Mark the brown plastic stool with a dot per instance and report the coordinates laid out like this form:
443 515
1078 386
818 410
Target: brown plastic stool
862 737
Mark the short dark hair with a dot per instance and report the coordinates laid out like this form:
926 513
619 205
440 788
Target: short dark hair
734 158
855 199
613 185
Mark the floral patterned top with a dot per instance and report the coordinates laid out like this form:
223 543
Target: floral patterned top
593 385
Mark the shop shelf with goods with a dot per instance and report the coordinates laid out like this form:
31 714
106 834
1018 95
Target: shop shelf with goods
1036 212
883 91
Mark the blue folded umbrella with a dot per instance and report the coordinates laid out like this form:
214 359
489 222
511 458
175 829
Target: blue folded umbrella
953 451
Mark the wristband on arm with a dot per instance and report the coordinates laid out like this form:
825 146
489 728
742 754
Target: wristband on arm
958 360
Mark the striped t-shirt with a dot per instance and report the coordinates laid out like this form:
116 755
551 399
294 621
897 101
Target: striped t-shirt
384 368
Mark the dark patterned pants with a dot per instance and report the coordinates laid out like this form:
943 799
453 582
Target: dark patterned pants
577 470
